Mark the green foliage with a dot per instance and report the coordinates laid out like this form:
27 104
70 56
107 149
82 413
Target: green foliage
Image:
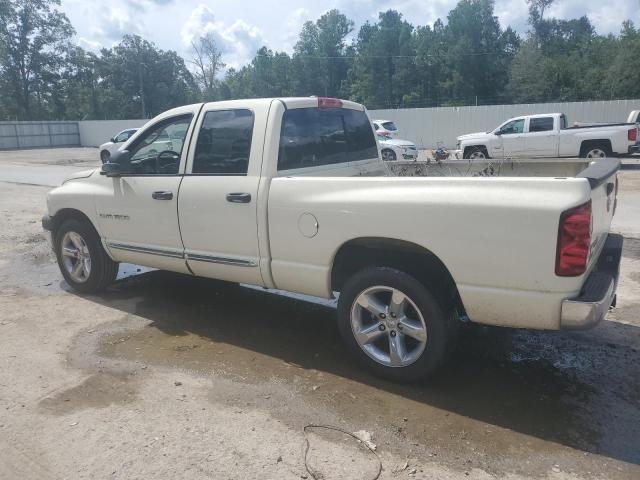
466 58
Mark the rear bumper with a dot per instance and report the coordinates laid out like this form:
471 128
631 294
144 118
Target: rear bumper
598 292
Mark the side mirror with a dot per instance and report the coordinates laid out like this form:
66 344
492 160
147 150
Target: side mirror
498 132
112 139
119 163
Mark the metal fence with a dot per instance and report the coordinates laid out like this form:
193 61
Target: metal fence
428 127
15 135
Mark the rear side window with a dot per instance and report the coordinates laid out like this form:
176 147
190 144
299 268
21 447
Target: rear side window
312 137
390 126
542 124
224 143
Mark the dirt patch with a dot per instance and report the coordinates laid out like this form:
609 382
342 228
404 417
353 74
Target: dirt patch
99 390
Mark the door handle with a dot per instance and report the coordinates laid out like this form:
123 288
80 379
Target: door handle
162 195
238 197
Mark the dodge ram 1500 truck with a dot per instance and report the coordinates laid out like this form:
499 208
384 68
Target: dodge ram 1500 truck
291 194
548 135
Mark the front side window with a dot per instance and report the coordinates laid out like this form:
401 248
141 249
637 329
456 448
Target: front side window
312 137
542 124
224 143
514 126
158 150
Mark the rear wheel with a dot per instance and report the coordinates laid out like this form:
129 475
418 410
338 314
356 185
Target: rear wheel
388 155
104 156
596 152
82 260
394 325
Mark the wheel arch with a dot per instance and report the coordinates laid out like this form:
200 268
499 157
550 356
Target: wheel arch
603 142
469 148
416 260
65 214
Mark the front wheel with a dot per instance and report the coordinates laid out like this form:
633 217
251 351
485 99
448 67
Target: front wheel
82 260
388 155
393 324
475 153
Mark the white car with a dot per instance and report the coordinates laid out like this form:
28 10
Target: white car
279 193
106 149
386 128
394 149
548 135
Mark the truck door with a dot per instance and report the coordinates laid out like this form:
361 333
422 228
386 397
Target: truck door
137 211
218 199
541 138
511 139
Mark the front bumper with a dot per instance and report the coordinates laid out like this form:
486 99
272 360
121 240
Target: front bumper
598 292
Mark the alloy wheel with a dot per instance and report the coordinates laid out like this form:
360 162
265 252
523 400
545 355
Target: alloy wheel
388 326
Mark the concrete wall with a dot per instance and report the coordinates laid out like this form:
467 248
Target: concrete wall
428 126
94 133
16 135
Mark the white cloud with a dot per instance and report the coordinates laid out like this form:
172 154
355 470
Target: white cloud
293 26
238 41
113 23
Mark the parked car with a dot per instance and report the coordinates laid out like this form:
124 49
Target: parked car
394 149
386 128
106 149
268 192
547 135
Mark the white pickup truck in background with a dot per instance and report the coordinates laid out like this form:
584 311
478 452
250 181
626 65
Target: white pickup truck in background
291 194
548 135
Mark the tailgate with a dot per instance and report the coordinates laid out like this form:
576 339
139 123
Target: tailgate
602 176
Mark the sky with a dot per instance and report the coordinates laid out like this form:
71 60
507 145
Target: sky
241 27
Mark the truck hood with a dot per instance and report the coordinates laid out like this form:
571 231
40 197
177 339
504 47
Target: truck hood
471 136
81 174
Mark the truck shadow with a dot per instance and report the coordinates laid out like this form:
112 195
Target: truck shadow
580 390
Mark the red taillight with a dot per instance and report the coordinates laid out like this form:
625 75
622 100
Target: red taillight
327 102
632 135
574 238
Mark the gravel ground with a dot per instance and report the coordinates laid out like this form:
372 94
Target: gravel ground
167 376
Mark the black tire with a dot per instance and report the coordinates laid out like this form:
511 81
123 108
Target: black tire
103 270
441 324
470 152
105 155
594 151
390 155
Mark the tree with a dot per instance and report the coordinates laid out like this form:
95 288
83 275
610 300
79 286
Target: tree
319 63
141 80
34 41
383 71
207 61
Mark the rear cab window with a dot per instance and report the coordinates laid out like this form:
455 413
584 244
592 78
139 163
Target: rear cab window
540 124
313 137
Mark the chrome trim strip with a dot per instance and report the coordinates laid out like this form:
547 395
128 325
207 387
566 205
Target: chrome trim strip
221 260
152 251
